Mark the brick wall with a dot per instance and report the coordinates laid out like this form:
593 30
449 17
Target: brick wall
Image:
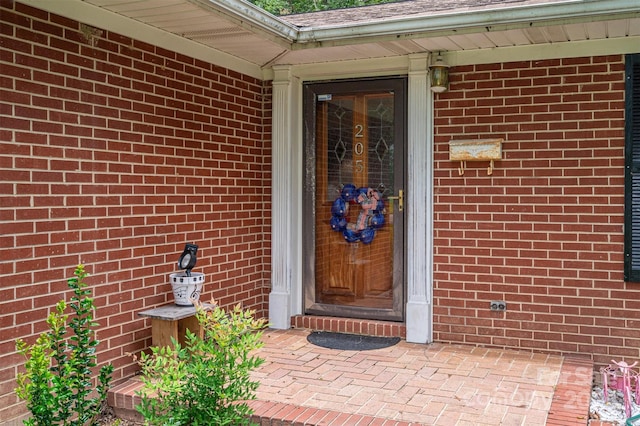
114 153
545 231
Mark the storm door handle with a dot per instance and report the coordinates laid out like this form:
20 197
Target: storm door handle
400 198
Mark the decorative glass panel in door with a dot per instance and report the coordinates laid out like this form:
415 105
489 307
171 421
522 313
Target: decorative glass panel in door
354 180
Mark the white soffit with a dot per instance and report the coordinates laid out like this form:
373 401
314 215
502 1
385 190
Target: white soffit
194 21
237 35
121 23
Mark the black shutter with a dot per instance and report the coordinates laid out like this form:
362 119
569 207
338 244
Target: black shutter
632 169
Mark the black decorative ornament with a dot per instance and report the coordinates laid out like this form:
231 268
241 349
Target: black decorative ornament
188 258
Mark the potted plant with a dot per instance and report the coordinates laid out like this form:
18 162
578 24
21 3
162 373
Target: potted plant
187 285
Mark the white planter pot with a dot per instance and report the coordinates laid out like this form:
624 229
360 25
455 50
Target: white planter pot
186 289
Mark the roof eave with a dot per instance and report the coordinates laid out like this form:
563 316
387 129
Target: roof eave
253 18
505 18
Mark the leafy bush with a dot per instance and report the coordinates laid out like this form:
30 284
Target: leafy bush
286 7
206 382
57 384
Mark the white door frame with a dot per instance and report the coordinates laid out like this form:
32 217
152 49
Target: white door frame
285 298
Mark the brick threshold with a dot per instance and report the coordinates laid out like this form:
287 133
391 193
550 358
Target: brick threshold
350 325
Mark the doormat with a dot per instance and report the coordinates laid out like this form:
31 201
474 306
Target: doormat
350 342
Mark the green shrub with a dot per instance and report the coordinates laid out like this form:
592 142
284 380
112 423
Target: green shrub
206 382
57 384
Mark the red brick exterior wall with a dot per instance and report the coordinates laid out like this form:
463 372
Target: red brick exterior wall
545 232
114 153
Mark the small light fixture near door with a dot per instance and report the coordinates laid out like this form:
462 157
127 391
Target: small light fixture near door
439 75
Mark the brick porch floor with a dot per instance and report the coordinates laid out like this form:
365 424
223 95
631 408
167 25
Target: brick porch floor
410 384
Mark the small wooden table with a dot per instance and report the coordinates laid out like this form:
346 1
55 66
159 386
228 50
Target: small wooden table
172 321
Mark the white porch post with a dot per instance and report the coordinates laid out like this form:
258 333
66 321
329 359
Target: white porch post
419 313
281 202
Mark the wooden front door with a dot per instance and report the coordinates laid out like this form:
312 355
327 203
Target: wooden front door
354 196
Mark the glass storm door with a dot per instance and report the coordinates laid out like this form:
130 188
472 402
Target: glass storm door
354 199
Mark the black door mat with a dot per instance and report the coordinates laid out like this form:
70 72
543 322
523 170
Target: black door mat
350 342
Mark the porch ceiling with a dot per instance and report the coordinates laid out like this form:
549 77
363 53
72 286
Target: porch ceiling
249 34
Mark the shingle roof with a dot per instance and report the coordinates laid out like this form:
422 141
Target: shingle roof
398 10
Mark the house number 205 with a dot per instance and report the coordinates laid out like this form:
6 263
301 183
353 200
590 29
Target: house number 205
358 148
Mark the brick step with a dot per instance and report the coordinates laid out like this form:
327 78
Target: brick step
122 399
268 413
350 325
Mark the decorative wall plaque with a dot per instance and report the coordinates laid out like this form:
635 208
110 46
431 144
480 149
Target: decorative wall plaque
475 150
